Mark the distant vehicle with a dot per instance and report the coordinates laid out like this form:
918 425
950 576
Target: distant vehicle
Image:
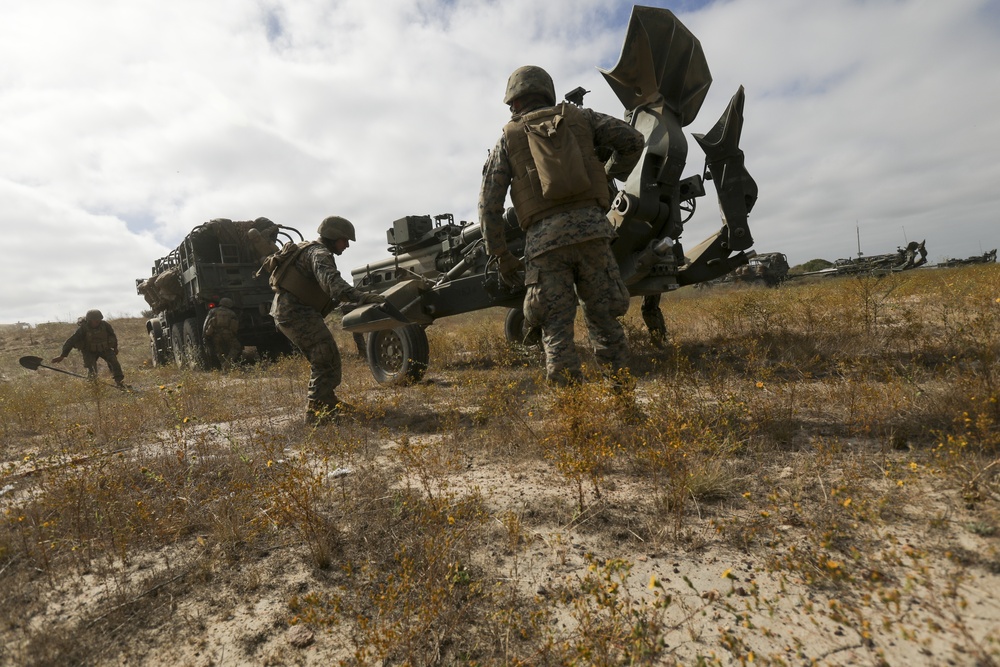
217 259
914 255
986 258
769 268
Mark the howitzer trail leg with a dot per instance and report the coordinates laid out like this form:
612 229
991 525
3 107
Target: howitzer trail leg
652 316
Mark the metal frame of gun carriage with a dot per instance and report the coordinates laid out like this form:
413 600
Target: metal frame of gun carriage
440 268
216 259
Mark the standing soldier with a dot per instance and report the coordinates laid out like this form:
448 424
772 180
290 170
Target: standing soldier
308 286
221 332
547 157
95 339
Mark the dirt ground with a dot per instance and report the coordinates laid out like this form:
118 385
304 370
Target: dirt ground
234 609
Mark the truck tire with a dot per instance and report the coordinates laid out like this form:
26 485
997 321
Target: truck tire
398 355
157 344
177 343
194 351
516 333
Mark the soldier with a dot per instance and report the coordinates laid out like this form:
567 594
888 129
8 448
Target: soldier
308 286
95 339
561 198
221 332
652 316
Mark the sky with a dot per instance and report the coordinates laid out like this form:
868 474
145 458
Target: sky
125 123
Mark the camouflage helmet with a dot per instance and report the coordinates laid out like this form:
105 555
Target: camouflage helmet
528 80
94 315
226 302
335 227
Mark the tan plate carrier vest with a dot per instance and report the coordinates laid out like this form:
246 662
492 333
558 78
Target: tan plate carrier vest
286 275
97 339
526 186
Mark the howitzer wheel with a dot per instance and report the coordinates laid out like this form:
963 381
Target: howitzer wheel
517 332
398 355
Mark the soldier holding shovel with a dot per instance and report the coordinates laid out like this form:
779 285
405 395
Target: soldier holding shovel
95 339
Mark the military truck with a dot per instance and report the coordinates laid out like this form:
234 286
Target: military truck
215 260
764 268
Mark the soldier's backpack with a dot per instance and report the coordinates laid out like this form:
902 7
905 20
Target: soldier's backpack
557 155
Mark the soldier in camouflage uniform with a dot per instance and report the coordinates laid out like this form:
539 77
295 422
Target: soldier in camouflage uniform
307 287
221 332
567 236
95 339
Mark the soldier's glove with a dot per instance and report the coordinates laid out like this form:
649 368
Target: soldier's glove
371 297
511 269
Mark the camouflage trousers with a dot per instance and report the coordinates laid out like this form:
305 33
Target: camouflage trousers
226 346
90 363
308 331
555 280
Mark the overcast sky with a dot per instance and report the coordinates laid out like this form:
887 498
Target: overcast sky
123 124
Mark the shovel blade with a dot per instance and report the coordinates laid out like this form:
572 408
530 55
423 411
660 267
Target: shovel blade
34 363
31 363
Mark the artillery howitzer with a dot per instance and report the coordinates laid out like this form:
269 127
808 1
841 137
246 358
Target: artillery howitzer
910 257
986 258
440 268
217 259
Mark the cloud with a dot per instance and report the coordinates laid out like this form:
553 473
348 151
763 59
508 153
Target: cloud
125 124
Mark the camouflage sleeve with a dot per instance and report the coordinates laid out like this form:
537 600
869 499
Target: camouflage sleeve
324 269
73 341
492 195
617 135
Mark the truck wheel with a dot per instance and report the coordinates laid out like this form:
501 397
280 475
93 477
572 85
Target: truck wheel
516 331
193 349
398 355
177 343
157 344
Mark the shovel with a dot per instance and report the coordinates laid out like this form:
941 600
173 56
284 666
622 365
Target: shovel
34 363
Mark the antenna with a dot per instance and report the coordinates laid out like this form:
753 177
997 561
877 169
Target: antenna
905 240
858 227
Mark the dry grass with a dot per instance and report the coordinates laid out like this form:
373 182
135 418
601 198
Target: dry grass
807 474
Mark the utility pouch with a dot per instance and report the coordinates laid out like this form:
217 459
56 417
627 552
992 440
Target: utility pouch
558 158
